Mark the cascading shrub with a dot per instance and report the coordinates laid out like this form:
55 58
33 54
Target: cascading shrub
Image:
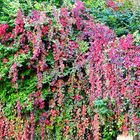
63 76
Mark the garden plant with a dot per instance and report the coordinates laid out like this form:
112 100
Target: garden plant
66 73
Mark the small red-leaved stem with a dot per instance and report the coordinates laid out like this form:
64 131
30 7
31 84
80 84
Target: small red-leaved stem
3 28
96 127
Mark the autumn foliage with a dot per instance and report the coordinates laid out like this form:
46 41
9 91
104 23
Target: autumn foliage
71 78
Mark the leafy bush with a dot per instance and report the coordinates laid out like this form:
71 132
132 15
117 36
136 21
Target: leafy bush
122 17
62 76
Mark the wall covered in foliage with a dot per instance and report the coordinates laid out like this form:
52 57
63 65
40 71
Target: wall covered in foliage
65 76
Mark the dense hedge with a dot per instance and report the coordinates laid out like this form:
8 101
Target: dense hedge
122 16
63 76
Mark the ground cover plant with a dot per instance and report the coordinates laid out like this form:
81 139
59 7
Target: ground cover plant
65 76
